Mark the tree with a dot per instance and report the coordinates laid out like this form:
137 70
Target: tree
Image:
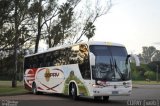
149 75
5 9
25 22
75 24
16 23
93 13
41 12
89 28
6 6
55 36
147 53
14 33
59 31
65 15
156 56
61 27
7 30
153 66
20 13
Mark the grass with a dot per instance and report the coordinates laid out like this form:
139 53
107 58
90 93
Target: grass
6 88
146 82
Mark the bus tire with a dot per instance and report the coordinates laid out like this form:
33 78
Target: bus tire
101 98
73 91
105 98
97 98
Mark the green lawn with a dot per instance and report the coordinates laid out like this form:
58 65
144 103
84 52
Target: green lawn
146 82
6 88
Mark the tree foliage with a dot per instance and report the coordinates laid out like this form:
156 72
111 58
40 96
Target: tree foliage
41 11
149 54
149 75
23 23
150 60
14 32
90 30
73 24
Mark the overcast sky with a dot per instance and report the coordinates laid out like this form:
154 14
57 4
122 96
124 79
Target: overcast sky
134 23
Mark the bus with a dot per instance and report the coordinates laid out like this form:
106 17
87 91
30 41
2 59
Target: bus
91 69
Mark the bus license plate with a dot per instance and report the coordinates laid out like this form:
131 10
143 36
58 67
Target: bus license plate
114 92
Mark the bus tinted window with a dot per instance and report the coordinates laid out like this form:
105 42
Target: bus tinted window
99 50
77 54
118 51
80 55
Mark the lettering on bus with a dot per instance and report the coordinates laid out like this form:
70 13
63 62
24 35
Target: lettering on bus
55 73
51 74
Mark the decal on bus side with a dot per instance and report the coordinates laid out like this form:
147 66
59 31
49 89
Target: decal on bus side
81 87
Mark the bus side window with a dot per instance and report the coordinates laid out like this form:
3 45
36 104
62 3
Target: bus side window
45 60
73 54
83 62
40 60
56 58
51 59
35 61
26 63
30 62
63 57
48 59
67 55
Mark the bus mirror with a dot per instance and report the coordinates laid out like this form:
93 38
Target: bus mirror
127 59
136 58
92 59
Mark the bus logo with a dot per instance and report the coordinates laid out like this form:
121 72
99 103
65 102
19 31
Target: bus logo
56 73
47 75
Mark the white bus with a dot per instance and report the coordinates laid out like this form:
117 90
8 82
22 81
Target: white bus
94 69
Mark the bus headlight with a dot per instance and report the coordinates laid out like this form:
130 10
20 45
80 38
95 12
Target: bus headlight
127 84
96 86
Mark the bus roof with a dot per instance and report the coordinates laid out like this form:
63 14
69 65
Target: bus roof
69 45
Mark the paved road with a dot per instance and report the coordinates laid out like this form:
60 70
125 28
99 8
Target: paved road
142 95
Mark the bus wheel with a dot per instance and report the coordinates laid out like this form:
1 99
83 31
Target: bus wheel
105 98
73 92
34 89
97 98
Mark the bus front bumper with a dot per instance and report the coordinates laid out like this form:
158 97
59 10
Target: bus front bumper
111 91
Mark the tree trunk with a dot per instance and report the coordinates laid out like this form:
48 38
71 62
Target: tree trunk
49 41
39 27
14 78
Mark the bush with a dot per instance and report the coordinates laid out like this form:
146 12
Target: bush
153 66
136 75
150 75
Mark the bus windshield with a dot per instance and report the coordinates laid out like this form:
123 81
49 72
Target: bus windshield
110 63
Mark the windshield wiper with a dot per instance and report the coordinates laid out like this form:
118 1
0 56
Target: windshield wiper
118 71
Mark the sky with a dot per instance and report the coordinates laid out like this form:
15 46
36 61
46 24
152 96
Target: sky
133 23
